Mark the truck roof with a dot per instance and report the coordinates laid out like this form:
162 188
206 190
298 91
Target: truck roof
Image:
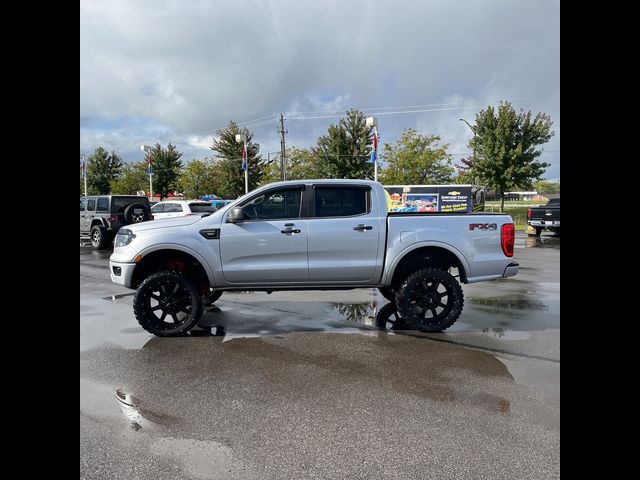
346 181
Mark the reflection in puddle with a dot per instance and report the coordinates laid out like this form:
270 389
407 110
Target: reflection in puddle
112 298
137 416
543 242
246 321
505 334
519 303
357 312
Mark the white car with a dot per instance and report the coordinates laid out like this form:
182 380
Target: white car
181 208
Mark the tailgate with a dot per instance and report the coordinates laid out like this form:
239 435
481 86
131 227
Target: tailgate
542 213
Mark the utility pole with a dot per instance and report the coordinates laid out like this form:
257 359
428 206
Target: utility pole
283 159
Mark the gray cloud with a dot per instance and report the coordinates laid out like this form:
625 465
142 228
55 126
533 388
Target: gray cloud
169 70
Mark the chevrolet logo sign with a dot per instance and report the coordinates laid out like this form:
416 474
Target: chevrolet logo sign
453 193
548 213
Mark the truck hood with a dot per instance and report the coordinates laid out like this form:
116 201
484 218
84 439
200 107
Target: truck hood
164 223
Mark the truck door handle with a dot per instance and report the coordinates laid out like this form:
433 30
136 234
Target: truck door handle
290 230
363 227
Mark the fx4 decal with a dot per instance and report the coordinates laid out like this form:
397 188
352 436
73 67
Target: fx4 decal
483 226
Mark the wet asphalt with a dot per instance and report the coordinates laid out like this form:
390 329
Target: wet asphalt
311 385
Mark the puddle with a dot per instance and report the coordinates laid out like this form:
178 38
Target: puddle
98 400
504 334
138 416
113 298
552 242
517 303
203 458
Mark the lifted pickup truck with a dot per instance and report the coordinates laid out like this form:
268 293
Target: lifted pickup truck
545 217
311 235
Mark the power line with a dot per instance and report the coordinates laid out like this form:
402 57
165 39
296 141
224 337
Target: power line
457 104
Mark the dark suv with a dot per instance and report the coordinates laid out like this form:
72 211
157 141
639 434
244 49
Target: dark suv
101 216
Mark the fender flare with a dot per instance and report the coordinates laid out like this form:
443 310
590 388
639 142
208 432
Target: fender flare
174 246
429 243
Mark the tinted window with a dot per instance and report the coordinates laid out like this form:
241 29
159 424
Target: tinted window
274 204
118 204
157 208
103 204
201 208
554 202
91 205
341 202
83 205
173 207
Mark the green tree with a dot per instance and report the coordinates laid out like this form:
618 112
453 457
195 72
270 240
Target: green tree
229 167
344 152
302 163
197 178
166 165
133 178
416 159
103 167
543 186
506 145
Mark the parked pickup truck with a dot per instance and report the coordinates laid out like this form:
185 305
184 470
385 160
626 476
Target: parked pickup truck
545 217
311 235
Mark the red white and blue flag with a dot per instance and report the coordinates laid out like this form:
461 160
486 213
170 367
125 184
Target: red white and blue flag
84 168
244 157
150 168
374 152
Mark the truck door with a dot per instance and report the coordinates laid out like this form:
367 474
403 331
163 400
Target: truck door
344 232
271 245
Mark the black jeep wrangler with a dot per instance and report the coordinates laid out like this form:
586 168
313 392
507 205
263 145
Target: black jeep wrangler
101 216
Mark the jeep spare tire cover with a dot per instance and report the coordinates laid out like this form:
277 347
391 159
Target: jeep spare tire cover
135 213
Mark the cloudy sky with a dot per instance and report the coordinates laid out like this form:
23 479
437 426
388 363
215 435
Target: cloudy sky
178 70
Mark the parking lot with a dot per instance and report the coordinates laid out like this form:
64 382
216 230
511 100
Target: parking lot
307 384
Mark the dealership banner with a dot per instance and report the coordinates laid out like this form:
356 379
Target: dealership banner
421 198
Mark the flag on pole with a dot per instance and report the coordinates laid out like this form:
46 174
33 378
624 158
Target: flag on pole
374 152
244 157
149 161
84 168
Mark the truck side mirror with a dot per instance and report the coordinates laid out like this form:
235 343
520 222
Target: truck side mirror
236 215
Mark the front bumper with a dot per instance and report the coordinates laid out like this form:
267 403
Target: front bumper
511 270
121 273
544 223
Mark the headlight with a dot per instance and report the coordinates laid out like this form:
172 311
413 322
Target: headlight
124 237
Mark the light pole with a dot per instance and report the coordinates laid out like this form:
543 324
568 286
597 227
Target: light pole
373 122
84 172
242 138
147 149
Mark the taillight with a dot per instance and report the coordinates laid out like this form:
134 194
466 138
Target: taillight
529 214
113 219
150 217
508 238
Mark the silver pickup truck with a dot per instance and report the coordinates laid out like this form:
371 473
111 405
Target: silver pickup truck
311 235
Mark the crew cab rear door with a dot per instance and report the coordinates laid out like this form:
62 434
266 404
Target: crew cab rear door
344 232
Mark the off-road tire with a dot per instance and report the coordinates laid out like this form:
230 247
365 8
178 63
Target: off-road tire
173 294
416 297
388 293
